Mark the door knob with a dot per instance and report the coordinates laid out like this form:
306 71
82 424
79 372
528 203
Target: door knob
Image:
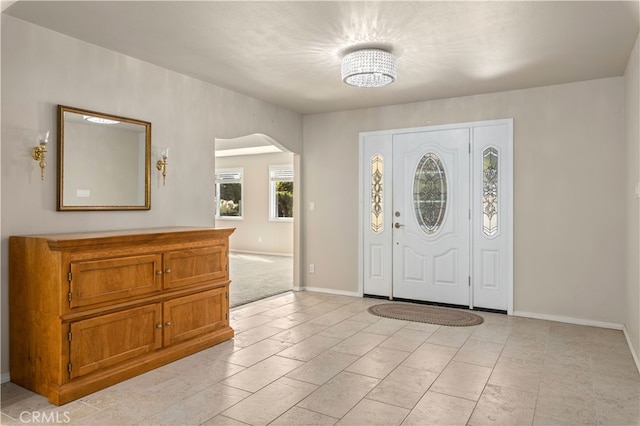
398 225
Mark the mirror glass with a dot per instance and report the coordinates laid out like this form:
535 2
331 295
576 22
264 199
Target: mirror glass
103 161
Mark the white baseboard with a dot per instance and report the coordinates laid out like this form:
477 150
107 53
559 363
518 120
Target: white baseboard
631 348
5 377
569 320
261 253
329 291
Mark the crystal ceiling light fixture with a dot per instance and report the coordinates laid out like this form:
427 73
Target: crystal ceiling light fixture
369 68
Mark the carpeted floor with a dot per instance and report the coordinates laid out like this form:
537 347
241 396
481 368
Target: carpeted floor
254 277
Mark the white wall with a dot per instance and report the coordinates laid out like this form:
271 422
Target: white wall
276 237
41 69
632 114
569 230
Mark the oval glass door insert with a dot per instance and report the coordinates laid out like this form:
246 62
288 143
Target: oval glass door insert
430 193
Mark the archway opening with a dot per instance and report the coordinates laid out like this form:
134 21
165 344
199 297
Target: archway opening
255 194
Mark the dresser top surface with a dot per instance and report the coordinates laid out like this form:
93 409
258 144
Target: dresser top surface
131 235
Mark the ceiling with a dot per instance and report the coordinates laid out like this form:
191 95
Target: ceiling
288 53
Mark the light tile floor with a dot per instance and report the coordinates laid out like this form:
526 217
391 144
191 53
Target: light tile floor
317 359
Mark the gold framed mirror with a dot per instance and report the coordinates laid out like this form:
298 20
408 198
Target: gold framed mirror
104 161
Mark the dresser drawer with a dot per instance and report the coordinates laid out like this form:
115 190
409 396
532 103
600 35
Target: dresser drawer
198 314
193 266
109 280
107 340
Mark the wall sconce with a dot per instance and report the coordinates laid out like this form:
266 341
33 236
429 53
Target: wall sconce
161 165
38 152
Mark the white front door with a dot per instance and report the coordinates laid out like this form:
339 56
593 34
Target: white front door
449 191
431 223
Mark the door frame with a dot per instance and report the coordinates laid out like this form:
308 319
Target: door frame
383 140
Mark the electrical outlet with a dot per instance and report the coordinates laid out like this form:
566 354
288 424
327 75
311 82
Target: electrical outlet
312 206
259 239
312 268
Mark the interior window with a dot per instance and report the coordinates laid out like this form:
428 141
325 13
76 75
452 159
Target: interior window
281 192
229 193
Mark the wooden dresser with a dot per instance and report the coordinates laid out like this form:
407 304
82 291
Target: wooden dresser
88 310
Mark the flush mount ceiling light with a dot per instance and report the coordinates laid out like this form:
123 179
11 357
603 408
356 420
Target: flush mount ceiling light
369 68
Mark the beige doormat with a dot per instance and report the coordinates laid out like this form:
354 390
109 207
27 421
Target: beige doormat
426 313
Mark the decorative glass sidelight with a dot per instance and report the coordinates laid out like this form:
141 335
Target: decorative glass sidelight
430 193
490 191
377 170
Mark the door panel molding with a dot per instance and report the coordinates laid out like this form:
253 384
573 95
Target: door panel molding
445 268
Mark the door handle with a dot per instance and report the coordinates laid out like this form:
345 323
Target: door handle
398 225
